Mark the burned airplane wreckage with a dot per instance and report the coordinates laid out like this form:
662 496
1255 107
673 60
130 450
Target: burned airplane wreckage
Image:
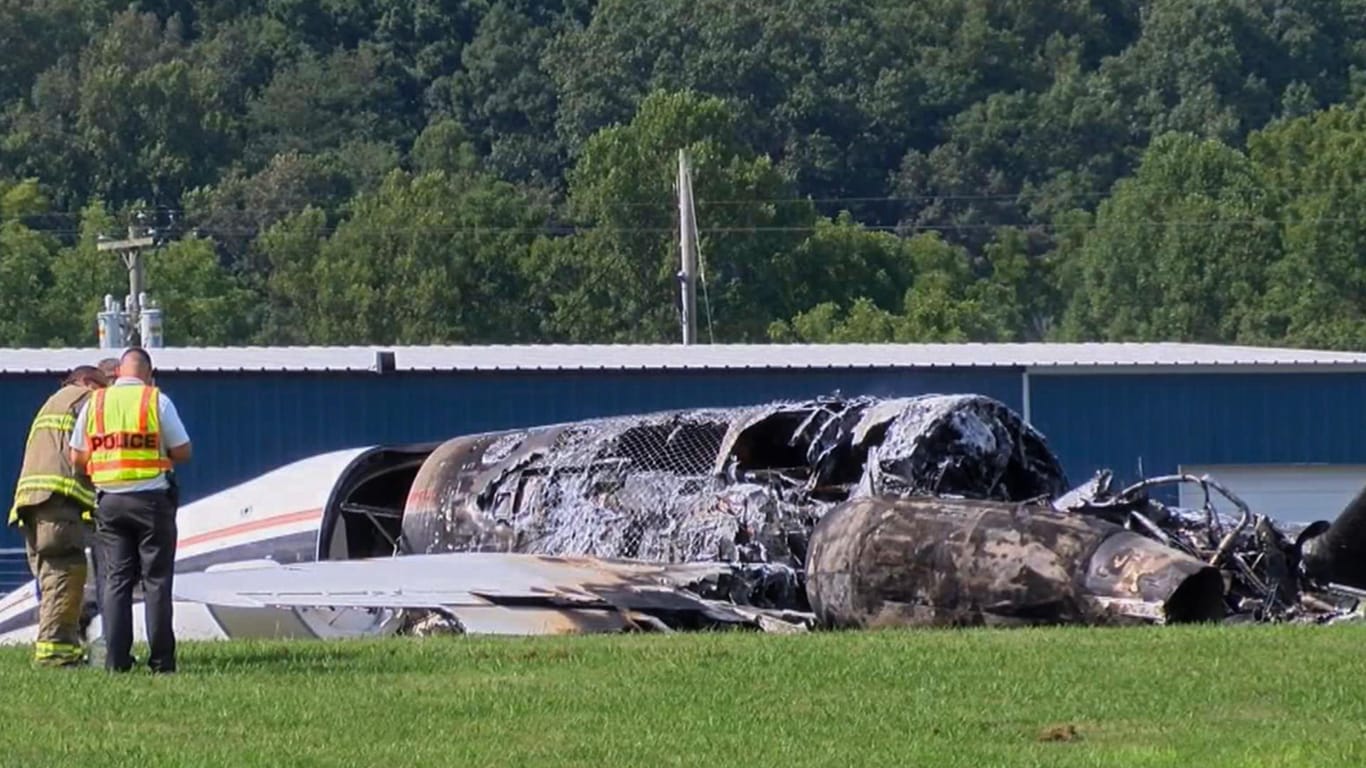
937 510
961 510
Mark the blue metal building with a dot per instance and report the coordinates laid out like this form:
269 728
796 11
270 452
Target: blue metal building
1286 427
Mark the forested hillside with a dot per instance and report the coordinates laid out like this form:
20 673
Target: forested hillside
420 171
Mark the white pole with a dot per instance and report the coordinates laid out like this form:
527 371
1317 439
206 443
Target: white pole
688 245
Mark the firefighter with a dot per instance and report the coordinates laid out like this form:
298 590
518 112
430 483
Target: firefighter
52 505
128 437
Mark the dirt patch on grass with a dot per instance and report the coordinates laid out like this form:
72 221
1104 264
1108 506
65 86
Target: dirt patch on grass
1063 732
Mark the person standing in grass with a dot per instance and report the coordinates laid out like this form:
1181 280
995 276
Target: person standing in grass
52 505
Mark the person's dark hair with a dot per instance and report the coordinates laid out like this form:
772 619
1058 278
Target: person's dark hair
83 375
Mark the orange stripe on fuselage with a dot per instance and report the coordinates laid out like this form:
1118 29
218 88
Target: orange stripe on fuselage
248 527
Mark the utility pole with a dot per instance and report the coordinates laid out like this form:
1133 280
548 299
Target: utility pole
137 321
687 225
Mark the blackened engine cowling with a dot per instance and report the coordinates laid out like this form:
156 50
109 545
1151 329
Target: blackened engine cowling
878 562
456 503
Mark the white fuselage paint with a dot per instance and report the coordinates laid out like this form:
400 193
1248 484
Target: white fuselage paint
287 501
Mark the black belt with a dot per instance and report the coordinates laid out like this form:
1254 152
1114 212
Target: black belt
101 493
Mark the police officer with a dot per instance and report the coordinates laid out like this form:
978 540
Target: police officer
52 505
128 437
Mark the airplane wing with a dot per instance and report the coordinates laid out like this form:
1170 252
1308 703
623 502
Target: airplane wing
498 593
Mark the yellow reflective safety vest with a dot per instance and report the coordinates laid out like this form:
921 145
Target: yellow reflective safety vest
47 466
123 433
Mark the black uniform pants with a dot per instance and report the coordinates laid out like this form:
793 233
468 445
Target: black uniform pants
136 536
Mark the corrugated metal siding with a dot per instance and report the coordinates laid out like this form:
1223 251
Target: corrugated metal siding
246 423
1170 420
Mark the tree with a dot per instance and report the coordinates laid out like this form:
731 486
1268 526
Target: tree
203 305
944 303
842 258
237 209
34 35
506 98
821 87
133 121
827 137
81 276
1180 252
444 145
428 259
290 248
325 102
1313 170
25 258
826 323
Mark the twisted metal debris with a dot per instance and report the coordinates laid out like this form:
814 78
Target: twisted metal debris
1275 573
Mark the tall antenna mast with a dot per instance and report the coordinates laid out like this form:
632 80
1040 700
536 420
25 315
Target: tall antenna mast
687 221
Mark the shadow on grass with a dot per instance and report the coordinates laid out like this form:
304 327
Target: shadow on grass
349 655
399 654
276 659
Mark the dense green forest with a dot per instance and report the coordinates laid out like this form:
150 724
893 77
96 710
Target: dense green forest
494 171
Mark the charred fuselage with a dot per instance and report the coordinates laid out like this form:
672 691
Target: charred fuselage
733 484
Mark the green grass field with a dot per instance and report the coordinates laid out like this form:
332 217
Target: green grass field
1235 696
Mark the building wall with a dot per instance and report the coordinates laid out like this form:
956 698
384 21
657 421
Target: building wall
1168 420
243 424
246 423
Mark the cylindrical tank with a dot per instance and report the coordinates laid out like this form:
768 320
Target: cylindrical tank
876 562
149 327
110 325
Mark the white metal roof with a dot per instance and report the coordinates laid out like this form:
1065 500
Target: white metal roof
1038 357
855 356
199 359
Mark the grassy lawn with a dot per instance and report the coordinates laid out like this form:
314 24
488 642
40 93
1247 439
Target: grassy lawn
1235 696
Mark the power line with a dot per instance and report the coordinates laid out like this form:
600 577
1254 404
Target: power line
410 229
663 204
